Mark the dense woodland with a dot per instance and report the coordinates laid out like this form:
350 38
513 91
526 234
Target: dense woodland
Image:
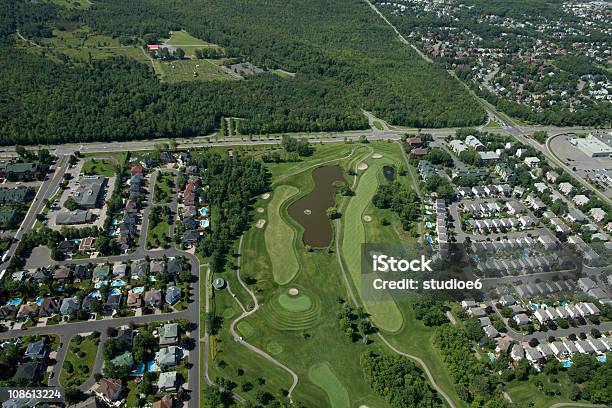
399 380
334 47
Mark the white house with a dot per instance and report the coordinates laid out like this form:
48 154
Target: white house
598 214
532 162
517 353
474 143
552 176
581 199
565 187
521 319
541 315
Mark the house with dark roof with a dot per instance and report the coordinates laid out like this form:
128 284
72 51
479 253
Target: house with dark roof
9 217
113 303
48 307
15 195
173 294
168 334
30 372
37 350
89 192
70 305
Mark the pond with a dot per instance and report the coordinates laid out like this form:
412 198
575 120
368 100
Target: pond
310 210
389 172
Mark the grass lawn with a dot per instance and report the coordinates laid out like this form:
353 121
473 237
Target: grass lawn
164 186
378 125
183 38
100 167
492 124
88 346
384 314
158 236
322 375
183 70
280 237
527 392
80 4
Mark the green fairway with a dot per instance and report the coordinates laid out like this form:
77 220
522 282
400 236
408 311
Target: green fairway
322 375
80 4
280 237
99 167
299 303
385 314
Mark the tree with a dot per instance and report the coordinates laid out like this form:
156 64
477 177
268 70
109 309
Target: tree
179 53
70 204
332 213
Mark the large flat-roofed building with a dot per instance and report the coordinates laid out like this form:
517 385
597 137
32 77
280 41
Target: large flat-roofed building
73 217
90 191
597 144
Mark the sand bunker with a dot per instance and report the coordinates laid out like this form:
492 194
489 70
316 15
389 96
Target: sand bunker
293 292
362 166
265 196
260 223
363 406
377 156
260 210
367 218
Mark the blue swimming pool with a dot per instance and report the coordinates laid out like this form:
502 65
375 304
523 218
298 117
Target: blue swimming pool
152 279
39 300
15 302
203 211
139 289
152 367
118 283
95 294
491 356
115 291
98 285
205 223
429 239
567 364
429 224
602 359
77 240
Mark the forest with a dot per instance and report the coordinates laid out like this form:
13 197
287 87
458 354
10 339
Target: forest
400 381
333 47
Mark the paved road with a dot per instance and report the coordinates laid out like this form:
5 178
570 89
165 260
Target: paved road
68 330
46 191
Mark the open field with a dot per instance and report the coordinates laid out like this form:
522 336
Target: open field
280 237
384 314
98 167
80 4
322 375
158 236
183 70
183 38
77 377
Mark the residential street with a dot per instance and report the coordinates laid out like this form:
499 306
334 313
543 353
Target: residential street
67 330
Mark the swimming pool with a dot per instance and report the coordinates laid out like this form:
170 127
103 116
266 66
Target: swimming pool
152 279
39 300
118 283
77 240
115 291
429 224
95 294
205 223
100 284
139 289
152 367
203 211
567 364
602 359
15 302
491 356
429 239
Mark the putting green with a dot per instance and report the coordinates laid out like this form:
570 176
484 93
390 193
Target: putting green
299 303
245 329
228 313
384 314
321 375
292 313
280 236
274 348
